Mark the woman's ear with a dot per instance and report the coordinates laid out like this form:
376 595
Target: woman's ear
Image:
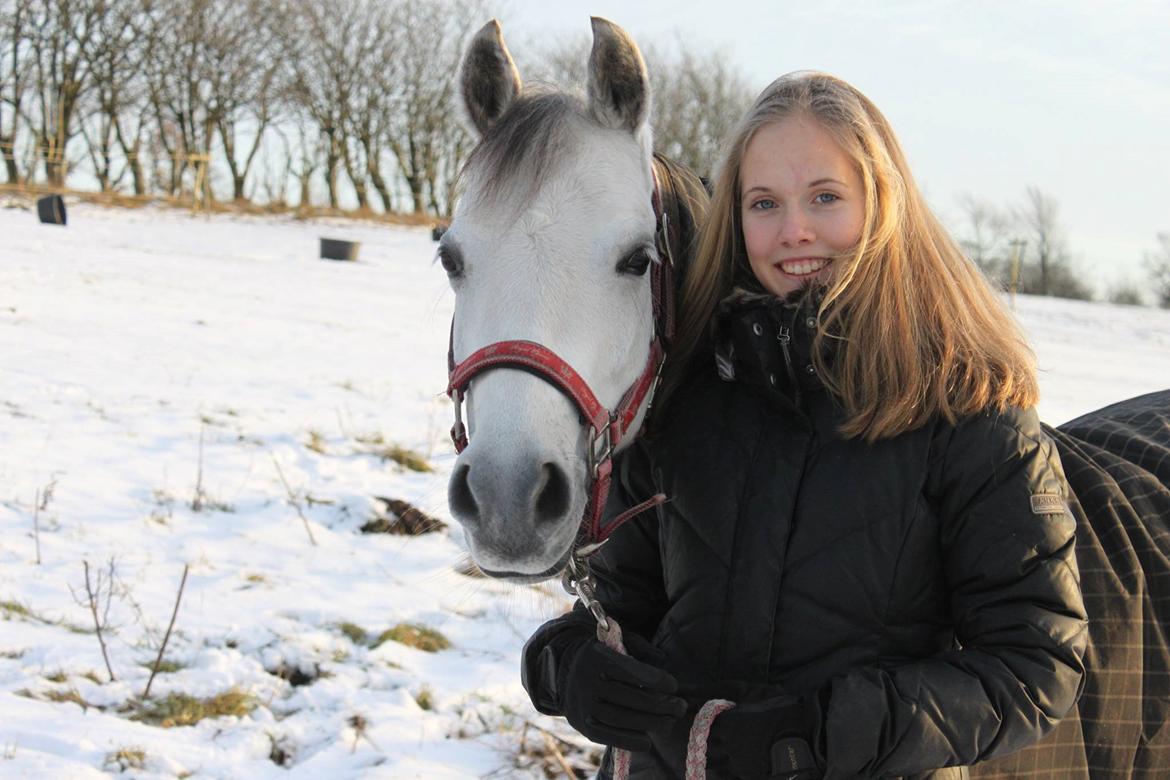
488 79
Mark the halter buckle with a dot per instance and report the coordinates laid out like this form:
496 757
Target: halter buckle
664 239
604 437
458 430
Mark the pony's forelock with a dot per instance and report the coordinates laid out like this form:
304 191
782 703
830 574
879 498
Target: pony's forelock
523 150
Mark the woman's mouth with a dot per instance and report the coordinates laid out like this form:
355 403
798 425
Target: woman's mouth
802 266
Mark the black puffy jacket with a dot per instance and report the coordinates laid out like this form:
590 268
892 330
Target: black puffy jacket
921 590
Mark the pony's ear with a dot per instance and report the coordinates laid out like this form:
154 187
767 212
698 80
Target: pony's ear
619 88
488 79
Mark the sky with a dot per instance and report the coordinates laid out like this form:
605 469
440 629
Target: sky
987 98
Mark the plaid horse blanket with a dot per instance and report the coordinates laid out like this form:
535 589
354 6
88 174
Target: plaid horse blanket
1117 461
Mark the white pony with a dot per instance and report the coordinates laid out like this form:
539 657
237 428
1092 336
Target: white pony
548 254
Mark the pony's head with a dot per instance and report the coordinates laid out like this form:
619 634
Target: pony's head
551 243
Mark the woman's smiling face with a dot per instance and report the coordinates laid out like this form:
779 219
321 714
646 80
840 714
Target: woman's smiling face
802 203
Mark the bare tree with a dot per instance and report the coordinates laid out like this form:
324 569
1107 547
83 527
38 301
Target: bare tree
563 63
63 32
1038 218
368 113
115 54
442 174
697 100
178 87
131 121
310 153
1049 269
986 236
365 114
15 67
244 69
423 108
326 44
275 181
212 68
1158 266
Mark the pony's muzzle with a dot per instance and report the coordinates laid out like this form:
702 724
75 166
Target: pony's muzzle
518 514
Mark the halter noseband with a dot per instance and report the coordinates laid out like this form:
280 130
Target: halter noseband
606 428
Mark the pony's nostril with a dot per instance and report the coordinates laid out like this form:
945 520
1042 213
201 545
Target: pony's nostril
552 496
459 495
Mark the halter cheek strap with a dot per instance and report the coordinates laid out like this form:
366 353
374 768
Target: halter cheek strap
606 429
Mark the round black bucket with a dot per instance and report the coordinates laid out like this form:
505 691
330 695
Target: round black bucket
336 249
51 210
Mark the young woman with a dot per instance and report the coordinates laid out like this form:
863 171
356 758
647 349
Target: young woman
866 546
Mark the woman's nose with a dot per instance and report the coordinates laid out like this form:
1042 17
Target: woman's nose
795 228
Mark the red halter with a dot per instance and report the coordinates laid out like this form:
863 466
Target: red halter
606 428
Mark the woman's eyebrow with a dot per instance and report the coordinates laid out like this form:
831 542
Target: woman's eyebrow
817 183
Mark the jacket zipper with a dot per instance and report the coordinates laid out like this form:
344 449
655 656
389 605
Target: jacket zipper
784 337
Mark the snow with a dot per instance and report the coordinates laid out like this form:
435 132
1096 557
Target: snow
151 357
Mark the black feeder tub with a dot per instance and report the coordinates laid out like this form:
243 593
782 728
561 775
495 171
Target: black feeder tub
337 249
51 210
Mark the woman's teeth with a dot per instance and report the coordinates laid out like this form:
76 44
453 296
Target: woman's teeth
803 266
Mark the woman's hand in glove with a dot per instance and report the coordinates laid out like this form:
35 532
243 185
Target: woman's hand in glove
616 699
773 738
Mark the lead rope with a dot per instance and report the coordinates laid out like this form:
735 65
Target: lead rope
579 580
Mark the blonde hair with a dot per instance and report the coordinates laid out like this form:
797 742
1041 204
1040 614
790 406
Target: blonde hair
918 331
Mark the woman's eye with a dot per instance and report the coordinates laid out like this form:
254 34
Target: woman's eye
764 204
826 197
635 263
451 264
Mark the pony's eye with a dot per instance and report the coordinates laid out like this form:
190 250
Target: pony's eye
636 262
451 262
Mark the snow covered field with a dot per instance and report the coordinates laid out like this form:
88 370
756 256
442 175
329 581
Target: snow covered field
181 390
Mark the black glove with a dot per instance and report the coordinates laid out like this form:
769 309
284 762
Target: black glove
616 699
771 738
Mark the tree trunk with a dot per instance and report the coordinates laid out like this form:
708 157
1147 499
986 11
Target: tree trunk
382 189
227 135
54 160
304 181
136 170
415 182
375 174
56 132
8 148
131 152
360 187
331 161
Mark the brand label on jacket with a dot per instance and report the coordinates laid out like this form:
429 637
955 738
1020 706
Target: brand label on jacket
1047 504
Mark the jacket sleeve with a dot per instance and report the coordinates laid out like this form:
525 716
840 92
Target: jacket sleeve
1007 540
628 571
